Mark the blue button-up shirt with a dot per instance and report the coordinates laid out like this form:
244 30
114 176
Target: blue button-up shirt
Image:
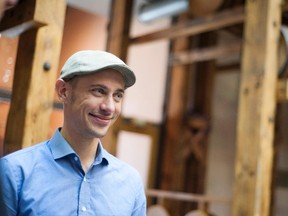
47 180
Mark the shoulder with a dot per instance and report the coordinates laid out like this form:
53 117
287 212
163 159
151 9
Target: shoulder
26 155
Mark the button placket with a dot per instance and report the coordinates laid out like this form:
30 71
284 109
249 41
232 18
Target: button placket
84 195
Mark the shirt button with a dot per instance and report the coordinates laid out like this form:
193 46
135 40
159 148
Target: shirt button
84 209
84 179
76 158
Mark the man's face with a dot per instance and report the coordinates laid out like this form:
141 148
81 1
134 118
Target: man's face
5 5
93 103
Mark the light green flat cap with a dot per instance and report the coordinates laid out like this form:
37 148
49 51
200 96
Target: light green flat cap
92 61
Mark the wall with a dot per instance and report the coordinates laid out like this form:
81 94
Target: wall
7 62
221 152
82 30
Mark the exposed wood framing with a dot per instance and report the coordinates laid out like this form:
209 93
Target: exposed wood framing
257 94
119 27
202 200
206 54
175 105
196 26
35 71
181 88
255 129
21 19
282 90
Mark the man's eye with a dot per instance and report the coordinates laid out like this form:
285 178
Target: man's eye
118 96
98 91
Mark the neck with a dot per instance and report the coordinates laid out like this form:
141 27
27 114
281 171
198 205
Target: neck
85 148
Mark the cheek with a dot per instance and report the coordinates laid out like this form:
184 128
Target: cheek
118 108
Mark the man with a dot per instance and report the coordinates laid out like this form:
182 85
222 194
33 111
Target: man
5 5
72 174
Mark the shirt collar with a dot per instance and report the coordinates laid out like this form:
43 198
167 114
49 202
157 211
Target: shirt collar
61 148
101 155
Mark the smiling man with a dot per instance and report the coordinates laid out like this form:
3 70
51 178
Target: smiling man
72 174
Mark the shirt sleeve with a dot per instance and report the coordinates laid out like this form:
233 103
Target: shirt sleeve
140 202
8 189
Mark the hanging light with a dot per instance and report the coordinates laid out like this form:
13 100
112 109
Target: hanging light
159 9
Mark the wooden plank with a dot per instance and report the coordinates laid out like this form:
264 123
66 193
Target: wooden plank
230 68
20 19
203 85
175 106
256 119
205 54
282 90
190 197
35 74
119 27
196 26
176 100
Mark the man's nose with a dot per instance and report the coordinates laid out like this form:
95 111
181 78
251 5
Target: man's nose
108 104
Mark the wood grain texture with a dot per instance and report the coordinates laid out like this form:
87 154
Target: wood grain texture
256 119
33 85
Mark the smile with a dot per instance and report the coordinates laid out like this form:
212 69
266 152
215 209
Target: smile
100 119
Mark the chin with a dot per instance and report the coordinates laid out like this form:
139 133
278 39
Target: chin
100 134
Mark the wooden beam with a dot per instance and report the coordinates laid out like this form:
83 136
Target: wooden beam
175 104
282 90
189 197
284 5
256 119
20 19
205 54
35 73
196 26
231 67
119 27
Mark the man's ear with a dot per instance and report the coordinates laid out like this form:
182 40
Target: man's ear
61 88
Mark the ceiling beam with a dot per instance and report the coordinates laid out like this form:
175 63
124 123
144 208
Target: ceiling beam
217 21
205 54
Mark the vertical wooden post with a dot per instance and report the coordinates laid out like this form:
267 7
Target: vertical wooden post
119 27
255 129
175 106
35 71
